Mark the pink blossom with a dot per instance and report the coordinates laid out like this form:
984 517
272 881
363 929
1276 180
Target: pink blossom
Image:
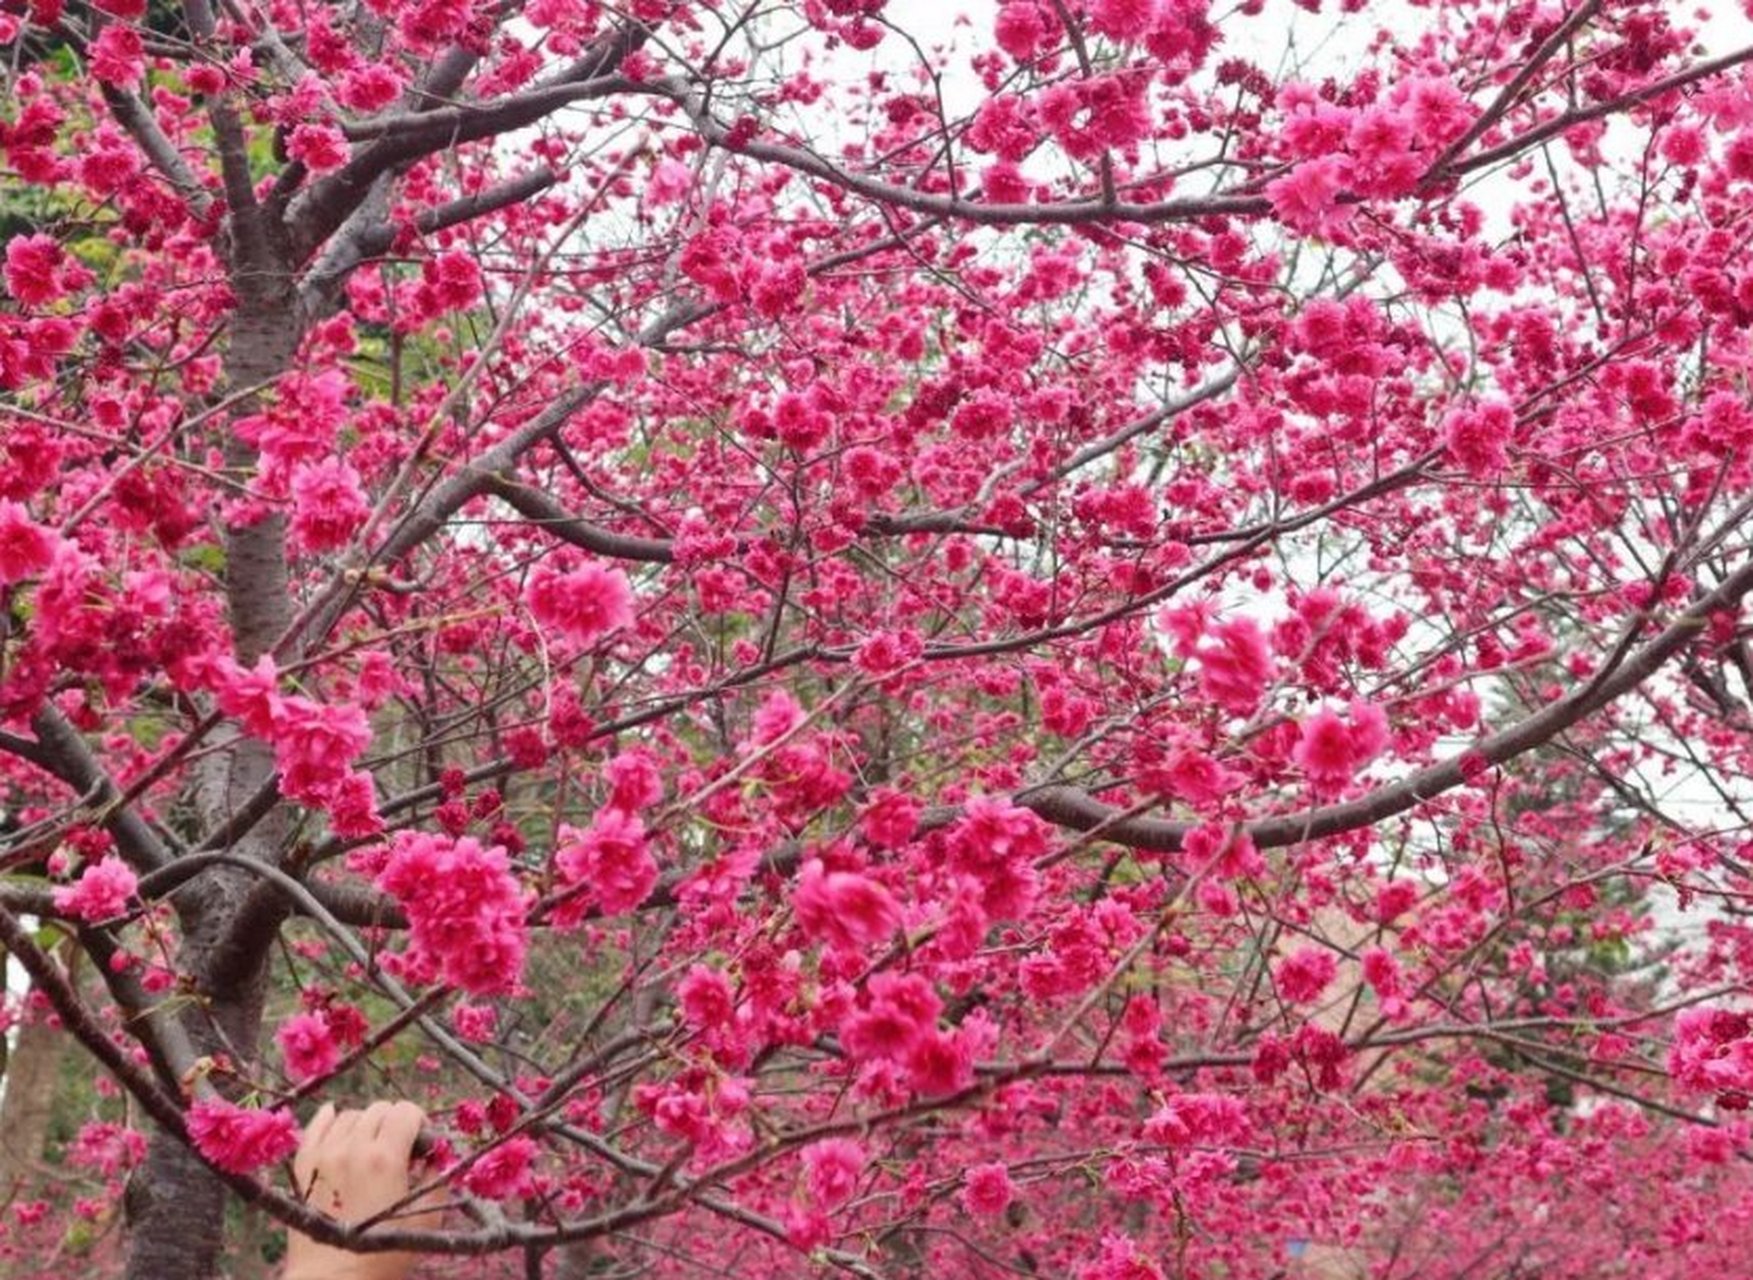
1235 666
1307 198
505 1172
902 1011
1304 974
996 844
611 857
26 548
352 806
889 818
1440 111
583 605
107 1148
1002 182
987 1192
1192 776
1478 438
102 892
118 57
1394 900
940 1063
38 269
1381 140
371 87
887 652
1331 750
252 696
669 182
465 910
315 746
1223 851
634 780
328 505
307 1046
806 1228
1119 1259
1712 1050
832 1168
321 147
1021 28
715 260
1188 1119
475 1023
449 282
706 998
778 714
843 908
1382 971
241 1139
1123 19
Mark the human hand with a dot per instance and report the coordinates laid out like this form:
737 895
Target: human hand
352 1165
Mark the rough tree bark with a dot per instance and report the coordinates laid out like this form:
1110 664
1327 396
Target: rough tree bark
179 1223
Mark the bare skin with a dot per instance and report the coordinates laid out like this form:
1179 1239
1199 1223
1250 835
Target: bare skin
351 1165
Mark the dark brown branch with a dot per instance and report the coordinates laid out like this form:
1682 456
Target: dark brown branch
554 518
67 756
330 201
1513 90
1077 810
1597 110
132 115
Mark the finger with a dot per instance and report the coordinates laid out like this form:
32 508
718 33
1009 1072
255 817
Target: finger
304 1163
371 1123
340 1134
400 1128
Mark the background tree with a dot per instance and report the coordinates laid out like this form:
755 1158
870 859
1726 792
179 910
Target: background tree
848 640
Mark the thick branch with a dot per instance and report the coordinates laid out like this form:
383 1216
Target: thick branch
132 115
69 758
330 201
354 245
1077 810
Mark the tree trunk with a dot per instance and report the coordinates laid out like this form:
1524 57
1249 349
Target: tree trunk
32 1069
178 1204
228 918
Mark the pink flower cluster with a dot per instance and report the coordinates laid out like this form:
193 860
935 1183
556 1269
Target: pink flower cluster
583 605
1713 1050
315 744
831 1169
26 548
241 1139
995 846
1198 1119
466 911
1305 974
505 1172
1479 438
843 908
1235 666
897 1029
298 430
988 1190
1331 750
306 1045
102 891
610 860
328 505
38 270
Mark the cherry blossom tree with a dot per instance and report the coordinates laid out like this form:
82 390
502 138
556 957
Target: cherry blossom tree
1058 644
